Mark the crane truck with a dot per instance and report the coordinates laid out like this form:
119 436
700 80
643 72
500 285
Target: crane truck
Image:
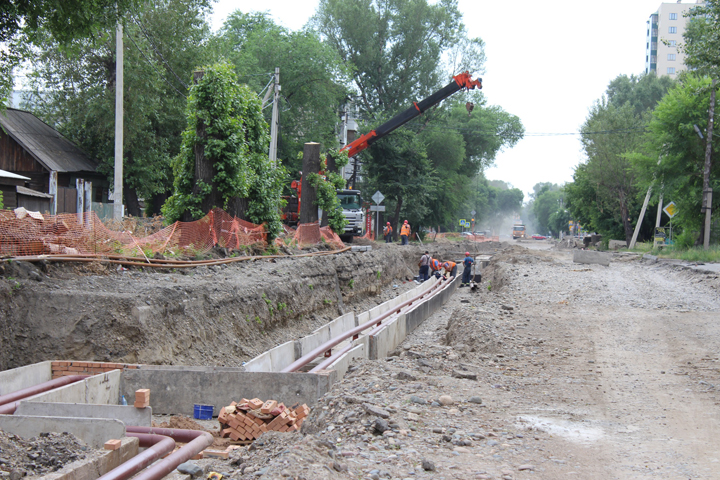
352 198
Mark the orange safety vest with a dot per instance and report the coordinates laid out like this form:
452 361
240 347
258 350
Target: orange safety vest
435 264
387 230
449 266
405 230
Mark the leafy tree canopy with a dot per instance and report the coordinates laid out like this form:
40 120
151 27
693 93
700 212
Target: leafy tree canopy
64 20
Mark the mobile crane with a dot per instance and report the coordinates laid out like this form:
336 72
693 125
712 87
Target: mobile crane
355 220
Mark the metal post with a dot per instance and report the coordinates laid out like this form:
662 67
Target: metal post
274 121
118 185
707 189
80 199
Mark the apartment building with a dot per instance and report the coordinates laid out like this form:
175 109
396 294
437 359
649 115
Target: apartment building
665 30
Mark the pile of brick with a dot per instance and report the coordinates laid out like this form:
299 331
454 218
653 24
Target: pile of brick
248 419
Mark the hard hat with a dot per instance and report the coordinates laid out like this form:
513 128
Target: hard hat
467 254
388 223
405 221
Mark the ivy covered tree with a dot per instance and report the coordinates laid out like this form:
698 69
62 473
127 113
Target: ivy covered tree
223 160
326 187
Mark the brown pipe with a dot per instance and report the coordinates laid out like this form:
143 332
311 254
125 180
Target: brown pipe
197 441
10 401
156 447
304 360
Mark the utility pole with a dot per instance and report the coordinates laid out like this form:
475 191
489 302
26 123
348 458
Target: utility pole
707 190
274 121
118 184
344 137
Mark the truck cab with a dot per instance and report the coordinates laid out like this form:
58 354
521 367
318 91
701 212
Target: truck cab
351 202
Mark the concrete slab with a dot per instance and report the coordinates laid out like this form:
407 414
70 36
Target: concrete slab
93 431
24 377
390 335
129 415
273 360
175 390
342 364
99 389
591 257
338 326
99 465
617 244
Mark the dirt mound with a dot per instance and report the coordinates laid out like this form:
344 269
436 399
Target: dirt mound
39 455
180 421
467 332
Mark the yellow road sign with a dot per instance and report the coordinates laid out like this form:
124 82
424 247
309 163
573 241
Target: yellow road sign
671 209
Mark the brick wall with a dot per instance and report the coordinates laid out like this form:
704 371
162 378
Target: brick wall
63 368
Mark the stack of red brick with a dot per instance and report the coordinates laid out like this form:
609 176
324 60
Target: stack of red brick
64 368
248 419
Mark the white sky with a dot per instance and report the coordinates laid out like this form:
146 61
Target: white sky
547 62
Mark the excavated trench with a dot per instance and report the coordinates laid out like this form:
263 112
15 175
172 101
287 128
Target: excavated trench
220 315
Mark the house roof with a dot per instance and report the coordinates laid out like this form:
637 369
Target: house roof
32 193
14 176
44 143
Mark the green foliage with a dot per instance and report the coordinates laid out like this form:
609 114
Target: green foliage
642 92
326 186
702 39
672 138
74 91
311 74
235 144
66 21
351 283
2 205
546 205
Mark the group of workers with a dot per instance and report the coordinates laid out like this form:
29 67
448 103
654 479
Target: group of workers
404 233
448 268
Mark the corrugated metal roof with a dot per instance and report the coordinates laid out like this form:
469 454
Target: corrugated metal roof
6 174
44 143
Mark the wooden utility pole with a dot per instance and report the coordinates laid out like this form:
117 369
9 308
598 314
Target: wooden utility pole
118 182
707 190
308 199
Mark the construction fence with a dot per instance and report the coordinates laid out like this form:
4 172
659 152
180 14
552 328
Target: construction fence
31 233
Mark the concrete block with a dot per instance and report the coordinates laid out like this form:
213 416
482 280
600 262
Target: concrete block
93 431
24 377
99 464
342 364
127 414
388 336
361 248
175 390
273 360
99 389
330 330
591 257
650 258
617 244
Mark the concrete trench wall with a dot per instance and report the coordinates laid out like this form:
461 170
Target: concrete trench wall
90 408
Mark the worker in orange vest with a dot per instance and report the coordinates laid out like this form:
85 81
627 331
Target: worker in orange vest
404 233
450 267
435 266
387 233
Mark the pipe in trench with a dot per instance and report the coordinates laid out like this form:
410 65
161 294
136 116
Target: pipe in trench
10 401
304 360
156 446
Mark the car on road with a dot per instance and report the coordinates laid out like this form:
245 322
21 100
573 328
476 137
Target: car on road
537 236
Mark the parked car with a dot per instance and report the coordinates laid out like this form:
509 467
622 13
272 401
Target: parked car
537 236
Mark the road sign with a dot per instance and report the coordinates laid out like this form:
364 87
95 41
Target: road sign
671 209
378 197
377 208
464 223
473 212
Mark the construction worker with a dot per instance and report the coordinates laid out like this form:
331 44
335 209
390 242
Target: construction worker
424 265
450 267
467 263
387 233
435 266
404 233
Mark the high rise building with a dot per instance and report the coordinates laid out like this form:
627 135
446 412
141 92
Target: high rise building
665 30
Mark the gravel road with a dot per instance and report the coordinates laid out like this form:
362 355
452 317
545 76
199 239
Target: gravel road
571 371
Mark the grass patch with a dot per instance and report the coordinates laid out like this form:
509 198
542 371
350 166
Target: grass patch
692 254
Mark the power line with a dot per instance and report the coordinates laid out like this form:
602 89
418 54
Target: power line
152 44
153 66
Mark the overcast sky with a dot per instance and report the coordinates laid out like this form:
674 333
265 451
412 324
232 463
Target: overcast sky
547 62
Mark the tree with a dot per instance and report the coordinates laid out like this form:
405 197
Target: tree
311 75
66 21
74 91
643 92
608 135
673 139
223 160
702 39
394 48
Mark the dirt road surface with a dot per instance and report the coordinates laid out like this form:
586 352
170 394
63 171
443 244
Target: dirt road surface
572 371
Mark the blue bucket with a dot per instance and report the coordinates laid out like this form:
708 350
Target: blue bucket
203 412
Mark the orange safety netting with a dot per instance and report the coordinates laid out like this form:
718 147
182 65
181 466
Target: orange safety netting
30 233
312 233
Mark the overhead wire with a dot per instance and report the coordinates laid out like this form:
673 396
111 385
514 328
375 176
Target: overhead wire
153 66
